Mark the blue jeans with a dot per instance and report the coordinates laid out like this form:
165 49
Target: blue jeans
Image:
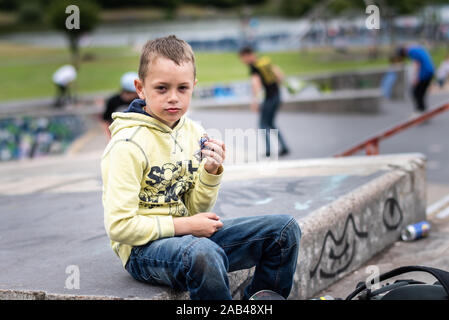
268 112
200 265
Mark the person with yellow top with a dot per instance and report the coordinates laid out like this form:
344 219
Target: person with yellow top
158 196
269 76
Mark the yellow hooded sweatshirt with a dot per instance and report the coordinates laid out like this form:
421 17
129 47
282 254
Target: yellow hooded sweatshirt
150 177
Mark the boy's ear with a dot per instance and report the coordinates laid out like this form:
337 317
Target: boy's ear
195 82
139 88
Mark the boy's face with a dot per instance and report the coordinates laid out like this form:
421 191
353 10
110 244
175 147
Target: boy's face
167 89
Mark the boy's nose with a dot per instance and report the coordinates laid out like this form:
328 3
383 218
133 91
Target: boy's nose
173 97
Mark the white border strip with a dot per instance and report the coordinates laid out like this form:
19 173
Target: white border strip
443 214
437 206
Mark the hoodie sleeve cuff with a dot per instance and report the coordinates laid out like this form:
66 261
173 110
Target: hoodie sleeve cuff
211 180
165 226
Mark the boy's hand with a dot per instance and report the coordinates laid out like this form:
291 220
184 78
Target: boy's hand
215 156
203 224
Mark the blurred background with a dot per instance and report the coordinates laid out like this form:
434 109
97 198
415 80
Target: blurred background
301 36
341 83
344 84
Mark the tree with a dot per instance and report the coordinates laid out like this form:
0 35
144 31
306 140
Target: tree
389 9
74 18
300 8
293 8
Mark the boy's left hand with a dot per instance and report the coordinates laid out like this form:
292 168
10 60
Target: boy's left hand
215 155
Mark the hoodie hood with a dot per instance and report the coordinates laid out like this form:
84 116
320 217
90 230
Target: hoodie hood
136 116
137 106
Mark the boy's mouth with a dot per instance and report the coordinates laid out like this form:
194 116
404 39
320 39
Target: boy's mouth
173 110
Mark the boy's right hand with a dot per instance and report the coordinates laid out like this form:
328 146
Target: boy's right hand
203 224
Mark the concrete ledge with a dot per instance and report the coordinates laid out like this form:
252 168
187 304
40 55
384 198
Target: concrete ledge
42 295
356 101
361 79
348 209
44 106
354 80
342 234
340 237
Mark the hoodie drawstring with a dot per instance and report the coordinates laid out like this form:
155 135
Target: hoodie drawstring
176 142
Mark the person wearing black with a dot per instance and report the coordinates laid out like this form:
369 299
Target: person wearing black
120 101
264 73
424 73
64 78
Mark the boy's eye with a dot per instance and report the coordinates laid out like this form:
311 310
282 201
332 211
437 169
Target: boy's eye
160 88
183 88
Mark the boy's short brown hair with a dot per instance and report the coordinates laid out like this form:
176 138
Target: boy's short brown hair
170 47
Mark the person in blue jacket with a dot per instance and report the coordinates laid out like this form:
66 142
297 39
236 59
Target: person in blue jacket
424 74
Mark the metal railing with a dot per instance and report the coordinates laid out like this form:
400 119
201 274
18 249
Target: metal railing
371 145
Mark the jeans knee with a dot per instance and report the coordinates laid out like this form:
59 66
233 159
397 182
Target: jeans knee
206 256
290 235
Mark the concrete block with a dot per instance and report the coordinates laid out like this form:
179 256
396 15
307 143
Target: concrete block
348 209
21 295
350 101
340 237
343 101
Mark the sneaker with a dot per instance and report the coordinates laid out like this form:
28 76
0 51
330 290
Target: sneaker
415 114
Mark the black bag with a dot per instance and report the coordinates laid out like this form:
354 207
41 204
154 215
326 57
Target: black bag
406 289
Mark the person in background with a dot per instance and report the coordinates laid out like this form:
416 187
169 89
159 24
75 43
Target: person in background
63 78
424 73
264 73
120 101
390 78
443 72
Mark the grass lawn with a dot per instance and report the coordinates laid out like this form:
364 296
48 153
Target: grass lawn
26 72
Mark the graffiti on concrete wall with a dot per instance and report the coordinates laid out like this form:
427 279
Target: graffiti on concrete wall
392 215
337 253
29 137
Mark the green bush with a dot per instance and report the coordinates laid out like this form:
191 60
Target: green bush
295 8
88 19
30 13
89 15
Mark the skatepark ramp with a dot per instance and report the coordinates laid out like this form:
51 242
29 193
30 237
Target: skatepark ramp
349 209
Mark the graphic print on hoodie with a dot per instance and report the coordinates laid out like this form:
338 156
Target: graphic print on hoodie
150 176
